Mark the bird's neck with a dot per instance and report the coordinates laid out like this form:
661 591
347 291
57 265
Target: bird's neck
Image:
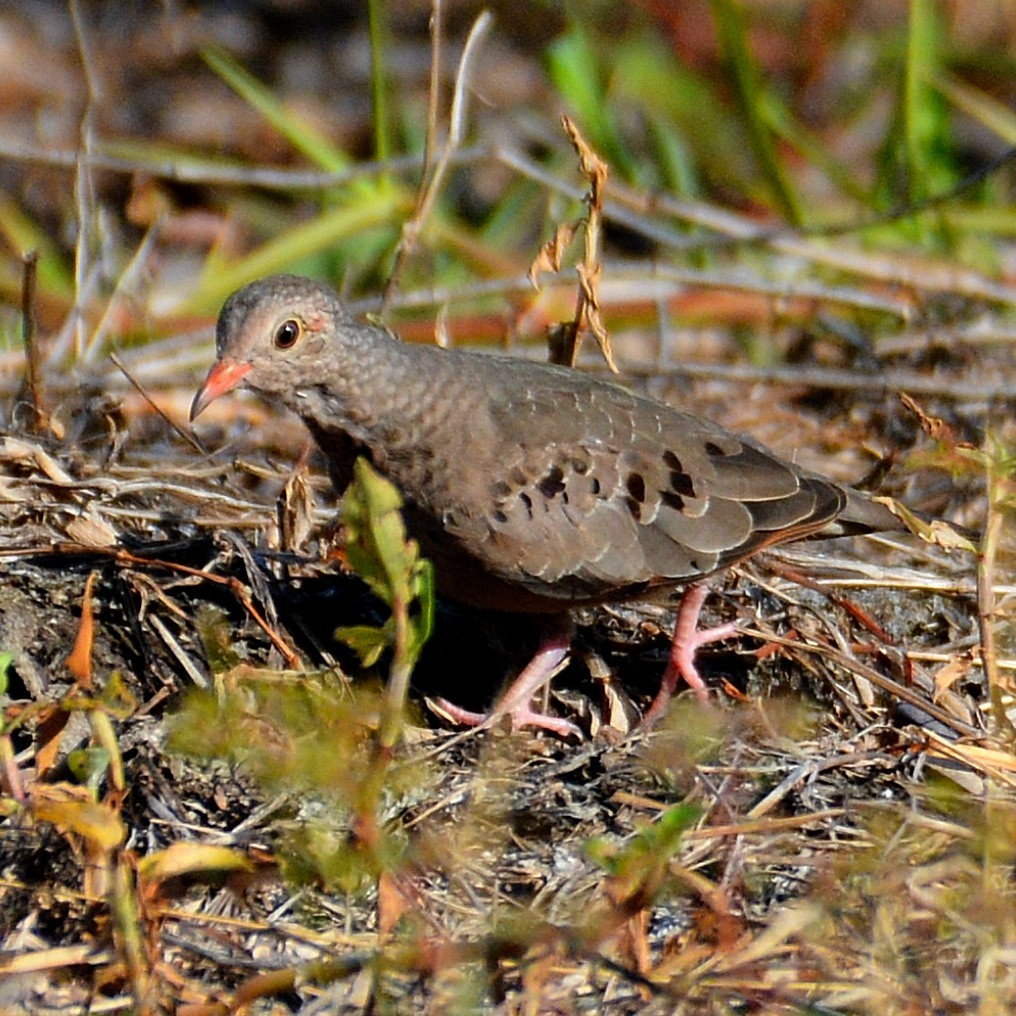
386 400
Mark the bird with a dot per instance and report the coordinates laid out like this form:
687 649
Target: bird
533 488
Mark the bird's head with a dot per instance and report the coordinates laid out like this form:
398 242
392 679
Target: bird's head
273 336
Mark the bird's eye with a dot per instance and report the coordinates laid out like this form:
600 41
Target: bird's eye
286 334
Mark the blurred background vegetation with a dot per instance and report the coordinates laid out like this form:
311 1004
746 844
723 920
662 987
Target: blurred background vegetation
158 155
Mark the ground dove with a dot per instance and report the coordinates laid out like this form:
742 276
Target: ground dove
533 488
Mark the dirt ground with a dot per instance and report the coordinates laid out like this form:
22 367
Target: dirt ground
849 723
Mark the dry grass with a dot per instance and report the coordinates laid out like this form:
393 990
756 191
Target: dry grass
194 818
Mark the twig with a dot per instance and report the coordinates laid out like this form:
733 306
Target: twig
33 357
434 83
875 383
195 171
189 438
429 189
137 262
83 194
1000 500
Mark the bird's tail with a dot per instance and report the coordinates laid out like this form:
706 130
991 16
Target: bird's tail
864 514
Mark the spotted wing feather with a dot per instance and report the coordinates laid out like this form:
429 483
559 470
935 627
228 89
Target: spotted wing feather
598 491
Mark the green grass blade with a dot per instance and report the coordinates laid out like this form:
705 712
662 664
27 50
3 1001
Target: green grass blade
781 122
304 138
921 113
684 106
576 71
295 244
995 115
22 235
378 82
733 36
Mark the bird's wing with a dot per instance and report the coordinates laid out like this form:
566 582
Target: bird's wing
591 491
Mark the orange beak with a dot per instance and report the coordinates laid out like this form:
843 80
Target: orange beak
224 376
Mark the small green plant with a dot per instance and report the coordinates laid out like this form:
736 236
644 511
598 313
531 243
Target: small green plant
380 553
309 735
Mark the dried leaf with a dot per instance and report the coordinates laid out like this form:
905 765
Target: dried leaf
594 169
79 663
90 530
65 808
197 859
937 532
391 902
551 253
589 279
296 509
935 427
48 735
24 453
949 673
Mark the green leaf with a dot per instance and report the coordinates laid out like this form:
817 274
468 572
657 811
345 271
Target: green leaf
674 100
367 641
216 634
640 867
390 563
996 116
926 121
377 546
6 659
651 846
421 624
22 234
89 766
379 84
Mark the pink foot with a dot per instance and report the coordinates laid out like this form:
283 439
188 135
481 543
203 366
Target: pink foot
515 703
686 642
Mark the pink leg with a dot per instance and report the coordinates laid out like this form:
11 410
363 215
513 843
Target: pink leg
515 702
687 639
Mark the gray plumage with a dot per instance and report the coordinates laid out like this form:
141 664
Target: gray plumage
532 487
